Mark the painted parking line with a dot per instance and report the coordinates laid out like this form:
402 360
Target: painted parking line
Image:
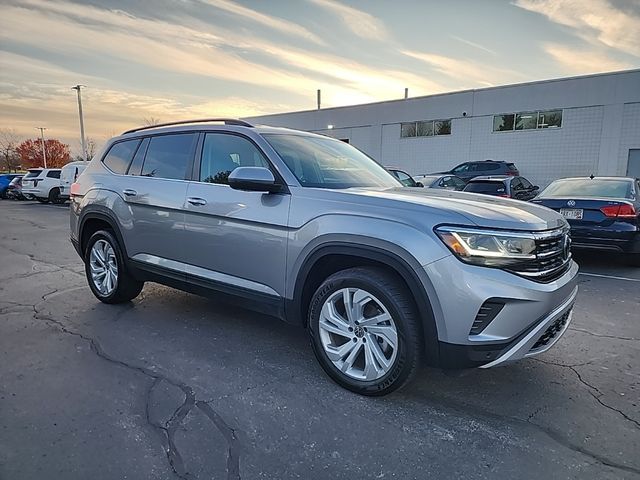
612 277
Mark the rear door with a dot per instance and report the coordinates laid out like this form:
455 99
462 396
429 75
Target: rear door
235 239
154 190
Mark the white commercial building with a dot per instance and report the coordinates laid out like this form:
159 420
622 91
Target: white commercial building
549 129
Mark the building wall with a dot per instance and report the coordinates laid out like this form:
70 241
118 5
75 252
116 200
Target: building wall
600 123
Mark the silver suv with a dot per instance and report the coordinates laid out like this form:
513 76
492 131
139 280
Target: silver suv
311 230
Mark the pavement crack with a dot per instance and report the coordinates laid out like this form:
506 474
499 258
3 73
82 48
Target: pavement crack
592 388
230 435
602 335
169 429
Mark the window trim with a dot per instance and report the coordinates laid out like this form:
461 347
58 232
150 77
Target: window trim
197 160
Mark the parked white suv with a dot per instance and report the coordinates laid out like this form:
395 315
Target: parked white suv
70 172
42 184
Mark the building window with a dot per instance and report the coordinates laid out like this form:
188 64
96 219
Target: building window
550 119
527 121
408 129
502 123
425 128
442 127
508 122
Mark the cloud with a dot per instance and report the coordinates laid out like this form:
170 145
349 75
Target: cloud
361 23
467 72
266 20
596 21
474 44
583 62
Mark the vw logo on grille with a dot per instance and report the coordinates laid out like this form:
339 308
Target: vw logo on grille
571 203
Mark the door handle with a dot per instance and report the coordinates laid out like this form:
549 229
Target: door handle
129 193
197 201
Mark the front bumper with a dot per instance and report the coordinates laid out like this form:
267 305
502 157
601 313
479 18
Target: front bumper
458 291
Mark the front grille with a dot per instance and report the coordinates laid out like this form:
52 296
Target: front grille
553 257
488 311
552 331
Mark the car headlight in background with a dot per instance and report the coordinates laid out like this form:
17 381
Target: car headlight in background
488 248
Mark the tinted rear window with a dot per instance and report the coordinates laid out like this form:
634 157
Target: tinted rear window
33 173
53 174
587 188
485 187
168 156
119 156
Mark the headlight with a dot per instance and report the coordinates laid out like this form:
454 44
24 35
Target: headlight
488 248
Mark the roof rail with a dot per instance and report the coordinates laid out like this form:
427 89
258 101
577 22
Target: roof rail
226 121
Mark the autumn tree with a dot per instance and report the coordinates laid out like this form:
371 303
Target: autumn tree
30 152
9 158
150 121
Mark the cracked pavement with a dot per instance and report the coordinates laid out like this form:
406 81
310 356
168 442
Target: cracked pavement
177 386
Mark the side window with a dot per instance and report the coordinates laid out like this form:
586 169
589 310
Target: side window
461 168
168 156
458 183
53 174
222 153
526 184
516 184
491 166
138 158
119 156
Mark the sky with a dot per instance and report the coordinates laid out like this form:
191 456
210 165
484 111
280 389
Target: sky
172 60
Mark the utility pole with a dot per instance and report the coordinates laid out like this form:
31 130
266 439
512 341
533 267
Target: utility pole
44 152
82 139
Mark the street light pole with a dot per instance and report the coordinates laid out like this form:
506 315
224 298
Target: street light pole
82 139
44 152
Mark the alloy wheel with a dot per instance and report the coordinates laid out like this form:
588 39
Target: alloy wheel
104 267
358 334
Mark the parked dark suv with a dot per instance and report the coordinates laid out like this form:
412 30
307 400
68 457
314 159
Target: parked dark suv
469 170
502 186
311 230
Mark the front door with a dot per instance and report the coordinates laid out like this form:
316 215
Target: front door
235 239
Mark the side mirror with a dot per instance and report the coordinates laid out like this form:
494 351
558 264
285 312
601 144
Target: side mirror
253 179
419 184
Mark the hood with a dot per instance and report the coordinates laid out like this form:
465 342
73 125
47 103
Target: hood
481 210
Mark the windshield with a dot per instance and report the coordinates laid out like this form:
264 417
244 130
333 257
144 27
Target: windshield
33 173
588 188
327 163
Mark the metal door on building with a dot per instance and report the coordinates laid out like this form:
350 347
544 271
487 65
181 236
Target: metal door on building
633 165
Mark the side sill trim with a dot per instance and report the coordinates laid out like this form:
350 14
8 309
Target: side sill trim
205 273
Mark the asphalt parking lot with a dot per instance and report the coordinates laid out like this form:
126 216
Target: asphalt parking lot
177 386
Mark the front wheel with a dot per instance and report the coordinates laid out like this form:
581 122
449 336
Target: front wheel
364 330
106 271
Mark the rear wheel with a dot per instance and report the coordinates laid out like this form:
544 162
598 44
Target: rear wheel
106 271
634 260
54 196
364 330
42 200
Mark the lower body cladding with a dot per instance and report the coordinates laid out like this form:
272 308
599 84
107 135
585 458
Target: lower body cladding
487 317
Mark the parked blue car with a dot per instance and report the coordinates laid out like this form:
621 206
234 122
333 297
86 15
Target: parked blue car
5 180
604 212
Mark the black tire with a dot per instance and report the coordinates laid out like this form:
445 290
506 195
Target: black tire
127 287
42 200
634 260
392 293
54 196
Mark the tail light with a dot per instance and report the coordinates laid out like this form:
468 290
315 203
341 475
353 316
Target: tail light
75 189
621 211
504 195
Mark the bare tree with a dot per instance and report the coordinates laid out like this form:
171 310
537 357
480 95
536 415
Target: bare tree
9 157
150 121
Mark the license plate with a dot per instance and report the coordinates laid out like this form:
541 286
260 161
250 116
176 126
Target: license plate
571 213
